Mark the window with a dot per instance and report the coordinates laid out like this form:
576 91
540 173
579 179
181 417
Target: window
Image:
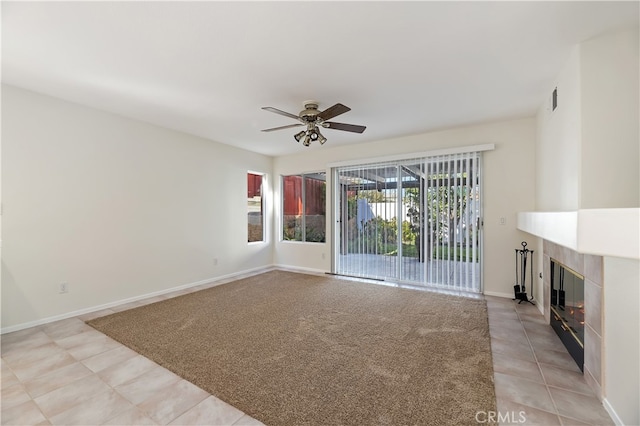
255 207
303 200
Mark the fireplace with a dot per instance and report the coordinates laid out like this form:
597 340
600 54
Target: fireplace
567 309
578 307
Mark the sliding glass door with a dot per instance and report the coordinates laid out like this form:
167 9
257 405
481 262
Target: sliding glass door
415 221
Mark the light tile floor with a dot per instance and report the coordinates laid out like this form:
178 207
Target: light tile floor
68 373
534 373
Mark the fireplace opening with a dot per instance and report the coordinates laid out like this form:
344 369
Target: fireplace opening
567 309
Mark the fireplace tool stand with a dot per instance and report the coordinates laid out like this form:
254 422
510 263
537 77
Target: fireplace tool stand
520 288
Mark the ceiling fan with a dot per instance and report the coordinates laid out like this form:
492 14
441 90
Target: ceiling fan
313 118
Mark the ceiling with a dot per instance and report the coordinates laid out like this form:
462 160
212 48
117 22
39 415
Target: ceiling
207 68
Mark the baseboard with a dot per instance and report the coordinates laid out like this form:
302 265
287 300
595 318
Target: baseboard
299 269
614 416
216 281
499 294
510 296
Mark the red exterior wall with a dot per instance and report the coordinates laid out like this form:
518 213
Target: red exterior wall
315 190
254 185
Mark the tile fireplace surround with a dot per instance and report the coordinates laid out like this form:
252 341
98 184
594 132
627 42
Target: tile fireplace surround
590 267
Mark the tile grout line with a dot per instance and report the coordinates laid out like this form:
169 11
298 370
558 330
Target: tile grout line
23 382
31 399
540 370
185 411
513 308
544 380
549 387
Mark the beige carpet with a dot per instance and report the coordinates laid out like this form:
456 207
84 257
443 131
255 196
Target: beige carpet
296 349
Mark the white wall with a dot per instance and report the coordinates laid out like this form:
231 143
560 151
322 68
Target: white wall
114 207
558 142
557 154
509 187
622 337
610 73
587 150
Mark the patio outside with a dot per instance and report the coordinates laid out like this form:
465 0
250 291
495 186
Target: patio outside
414 222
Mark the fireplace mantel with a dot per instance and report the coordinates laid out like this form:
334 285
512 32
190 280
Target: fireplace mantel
602 232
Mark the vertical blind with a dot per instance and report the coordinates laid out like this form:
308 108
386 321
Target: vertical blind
415 221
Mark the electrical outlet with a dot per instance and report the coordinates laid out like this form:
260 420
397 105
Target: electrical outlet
215 261
503 221
323 255
64 288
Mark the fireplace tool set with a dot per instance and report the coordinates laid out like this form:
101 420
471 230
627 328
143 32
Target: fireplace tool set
520 288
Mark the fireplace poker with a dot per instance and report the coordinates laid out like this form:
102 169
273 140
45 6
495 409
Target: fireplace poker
524 252
516 287
561 293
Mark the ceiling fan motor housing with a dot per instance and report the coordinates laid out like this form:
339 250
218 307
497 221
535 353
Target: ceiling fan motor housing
310 112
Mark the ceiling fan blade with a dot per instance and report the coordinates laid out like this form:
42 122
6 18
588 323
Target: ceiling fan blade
334 111
282 127
341 126
277 111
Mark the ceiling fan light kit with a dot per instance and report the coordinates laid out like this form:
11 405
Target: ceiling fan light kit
300 135
314 118
312 134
